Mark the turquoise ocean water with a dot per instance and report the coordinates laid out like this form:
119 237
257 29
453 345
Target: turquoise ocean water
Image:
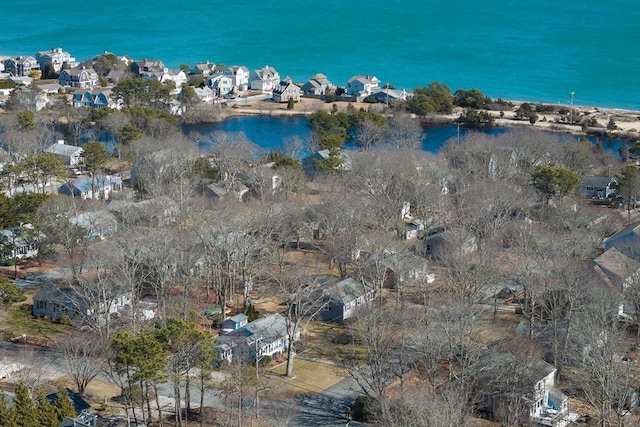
535 51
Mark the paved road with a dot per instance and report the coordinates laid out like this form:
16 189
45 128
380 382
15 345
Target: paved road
324 409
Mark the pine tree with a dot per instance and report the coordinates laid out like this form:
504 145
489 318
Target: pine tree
63 405
23 407
7 418
46 412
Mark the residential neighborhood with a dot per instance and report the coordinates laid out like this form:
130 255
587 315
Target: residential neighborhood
165 277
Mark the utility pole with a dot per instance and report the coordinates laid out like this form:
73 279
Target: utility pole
258 358
572 97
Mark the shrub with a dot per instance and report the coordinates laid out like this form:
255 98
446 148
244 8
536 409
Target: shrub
366 408
65 320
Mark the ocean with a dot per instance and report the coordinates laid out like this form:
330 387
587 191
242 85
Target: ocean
535 51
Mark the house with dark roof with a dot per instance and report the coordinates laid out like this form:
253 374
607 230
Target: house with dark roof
313 164
83 417
266 336
69 154
146 65
597 187
505 383
342 299
441 243
21 66
617 271
93 99
286 91
55 301
388 96
201 71
626 241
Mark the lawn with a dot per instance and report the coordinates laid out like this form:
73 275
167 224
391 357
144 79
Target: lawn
310 377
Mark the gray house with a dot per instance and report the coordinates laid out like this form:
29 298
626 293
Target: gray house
97 224
266 336
441 243
85 78
286 91
69 154
55 301
342 299
528 389
626 241
597 187
313 163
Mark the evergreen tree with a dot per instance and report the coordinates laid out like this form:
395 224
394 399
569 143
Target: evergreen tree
45 411
7 418
23 407
62 405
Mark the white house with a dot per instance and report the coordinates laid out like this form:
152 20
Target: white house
265 80
56 57
20 242
222 84
266 336
70 154
239 76
362 86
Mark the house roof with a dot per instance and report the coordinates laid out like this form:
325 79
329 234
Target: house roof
79 404
90 220
268 329
615 267
238 318
63 149
596 181
626 240
348 289
490 372
64 295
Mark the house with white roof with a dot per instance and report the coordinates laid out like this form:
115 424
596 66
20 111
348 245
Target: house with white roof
70 154
266 336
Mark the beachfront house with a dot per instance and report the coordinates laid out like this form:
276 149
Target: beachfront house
286 91
318 84
221 84
56 57
264 80
85 78
239 76
145 65
177 78
266 336
201 71
388 96
362 86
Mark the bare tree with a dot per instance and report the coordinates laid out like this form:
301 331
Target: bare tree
303 303
404 133
81 355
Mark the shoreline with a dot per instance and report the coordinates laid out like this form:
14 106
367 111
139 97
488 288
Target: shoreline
627 121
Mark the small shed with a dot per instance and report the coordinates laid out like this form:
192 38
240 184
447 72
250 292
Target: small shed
234 322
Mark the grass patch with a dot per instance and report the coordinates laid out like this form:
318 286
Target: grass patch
310 377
